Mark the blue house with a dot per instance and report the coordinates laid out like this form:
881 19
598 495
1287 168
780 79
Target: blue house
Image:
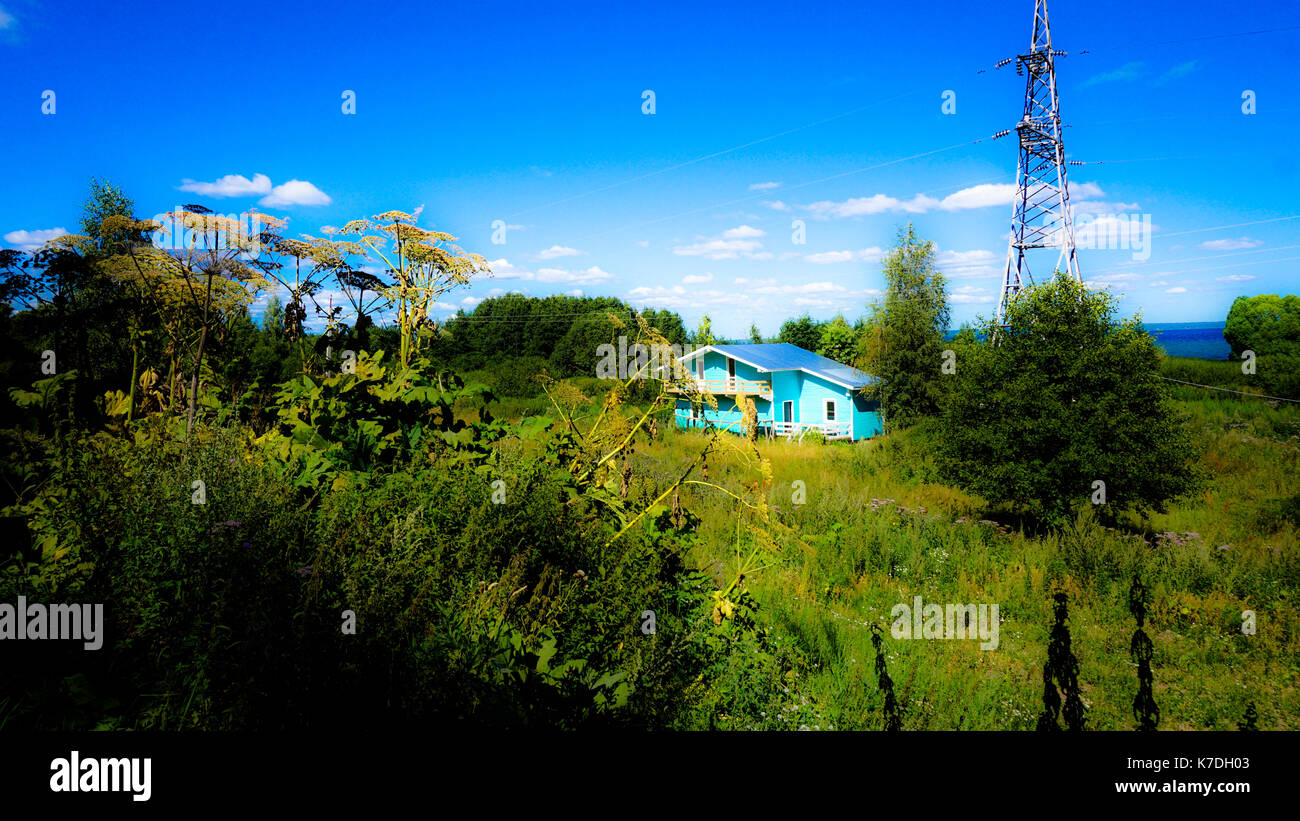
793 390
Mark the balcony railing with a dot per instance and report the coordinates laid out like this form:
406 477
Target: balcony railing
831 430
767 427
727 387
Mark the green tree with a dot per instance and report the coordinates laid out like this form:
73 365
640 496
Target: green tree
903 341
107 200
839 341
804 332
668 323
704 333
1269 326
1066 398
577 352
755 335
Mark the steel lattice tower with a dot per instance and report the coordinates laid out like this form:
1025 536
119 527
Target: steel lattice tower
1040 214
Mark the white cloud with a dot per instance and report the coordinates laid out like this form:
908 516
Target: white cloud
774 286
971 294
977 196
587 276
231 185
855 207
1112 279
6 19
1178 290
294 192
963 264
643 243
1101 208
696 279
1235 278
470 301
734 243
826 257
1230 244
776 205
574 292
557 251
764 186
31 240
1128 71
1084 190
872 254
1180 70
504 269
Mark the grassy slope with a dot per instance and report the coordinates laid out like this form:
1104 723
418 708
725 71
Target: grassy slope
861 561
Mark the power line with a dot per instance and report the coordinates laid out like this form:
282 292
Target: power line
1228 390
1235 225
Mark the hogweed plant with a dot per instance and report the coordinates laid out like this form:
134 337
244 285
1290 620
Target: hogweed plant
422 263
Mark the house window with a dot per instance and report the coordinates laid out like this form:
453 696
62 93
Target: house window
699 368
731 369
830 410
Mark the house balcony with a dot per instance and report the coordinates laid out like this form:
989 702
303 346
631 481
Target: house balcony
724 387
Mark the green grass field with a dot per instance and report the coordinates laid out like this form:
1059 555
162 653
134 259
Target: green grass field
876 529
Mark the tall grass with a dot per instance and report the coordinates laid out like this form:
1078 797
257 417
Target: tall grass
877 528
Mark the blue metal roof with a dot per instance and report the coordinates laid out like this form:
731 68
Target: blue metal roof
782 356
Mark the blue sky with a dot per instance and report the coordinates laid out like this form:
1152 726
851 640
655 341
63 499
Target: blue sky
765 113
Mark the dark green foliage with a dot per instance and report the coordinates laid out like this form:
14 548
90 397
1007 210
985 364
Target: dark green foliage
516 377
227 615
1065 398
1063 668
107 200
839 341
1269 326
577 352
517 326
804 332
1145 710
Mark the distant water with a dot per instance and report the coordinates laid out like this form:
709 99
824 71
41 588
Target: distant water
1201 340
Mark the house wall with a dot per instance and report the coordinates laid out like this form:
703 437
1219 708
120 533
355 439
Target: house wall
815 391
715 367
728 413
866 417
786 385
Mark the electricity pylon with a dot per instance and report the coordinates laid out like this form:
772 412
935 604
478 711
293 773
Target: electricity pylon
1040 214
